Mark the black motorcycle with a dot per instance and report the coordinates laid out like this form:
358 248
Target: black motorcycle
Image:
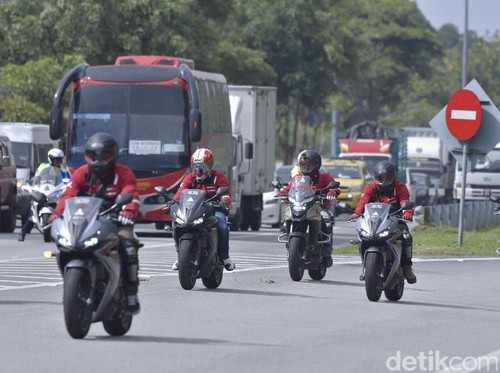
379 239
89 261
303 220
195 233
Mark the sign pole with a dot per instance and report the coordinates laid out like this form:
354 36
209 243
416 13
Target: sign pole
462 196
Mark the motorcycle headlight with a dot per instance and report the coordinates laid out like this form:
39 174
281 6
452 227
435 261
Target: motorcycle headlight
299 207
90 242
63 241
198 221
384 233
179 220
365 233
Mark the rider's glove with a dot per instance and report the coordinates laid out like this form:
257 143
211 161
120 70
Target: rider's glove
408 215
354 216
224 204
169 205
126 217
52 218
332 194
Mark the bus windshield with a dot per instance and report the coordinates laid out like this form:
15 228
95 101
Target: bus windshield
149 122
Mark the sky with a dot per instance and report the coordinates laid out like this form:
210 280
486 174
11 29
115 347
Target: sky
483 15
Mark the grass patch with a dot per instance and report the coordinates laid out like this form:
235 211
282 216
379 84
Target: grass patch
443 241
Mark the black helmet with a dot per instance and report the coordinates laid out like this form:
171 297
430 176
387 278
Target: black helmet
309 162
101 152
385 176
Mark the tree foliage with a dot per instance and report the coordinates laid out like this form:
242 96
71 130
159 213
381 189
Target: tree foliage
367 60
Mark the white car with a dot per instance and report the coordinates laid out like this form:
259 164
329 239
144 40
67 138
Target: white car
272 211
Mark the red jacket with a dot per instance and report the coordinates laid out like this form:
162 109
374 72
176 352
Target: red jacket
210 184
396 199
84 183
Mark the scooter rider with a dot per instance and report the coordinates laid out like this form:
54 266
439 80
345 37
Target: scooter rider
102 177
54 160
202 176
309 164
387 189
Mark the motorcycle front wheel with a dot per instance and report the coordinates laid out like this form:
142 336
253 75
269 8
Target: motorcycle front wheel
374 279
295 258
215 278
396 292
46 231
318 273
76 302
119 325
188 264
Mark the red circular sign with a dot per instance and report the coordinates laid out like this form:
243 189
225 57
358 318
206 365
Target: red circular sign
463 115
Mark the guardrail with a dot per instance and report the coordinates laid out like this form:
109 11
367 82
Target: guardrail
477 214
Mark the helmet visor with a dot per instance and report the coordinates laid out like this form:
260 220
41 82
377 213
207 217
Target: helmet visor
199 168
99 155
385 179
307 166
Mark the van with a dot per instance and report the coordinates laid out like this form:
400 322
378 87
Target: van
8 187
30 144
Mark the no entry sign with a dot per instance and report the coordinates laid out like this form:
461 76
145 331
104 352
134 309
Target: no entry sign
463 115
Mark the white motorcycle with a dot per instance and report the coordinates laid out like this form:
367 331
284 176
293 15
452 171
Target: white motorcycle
50 184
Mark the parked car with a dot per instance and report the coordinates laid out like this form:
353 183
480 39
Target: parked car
272 210
353 177
8 186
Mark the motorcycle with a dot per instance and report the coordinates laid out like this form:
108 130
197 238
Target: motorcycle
381 250
305 221
195 232
89 261
50 185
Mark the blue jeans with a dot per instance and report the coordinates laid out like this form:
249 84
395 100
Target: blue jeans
222 235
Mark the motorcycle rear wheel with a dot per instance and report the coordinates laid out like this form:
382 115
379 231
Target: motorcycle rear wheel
188 264
296 262
374 280
46 231
77 304
215 278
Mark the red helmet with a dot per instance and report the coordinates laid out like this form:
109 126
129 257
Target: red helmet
202 162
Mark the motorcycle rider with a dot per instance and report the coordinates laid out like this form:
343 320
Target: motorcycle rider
102 177
309 164
202 176
55 160
387 189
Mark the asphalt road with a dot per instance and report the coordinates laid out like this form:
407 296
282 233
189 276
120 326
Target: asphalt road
258 320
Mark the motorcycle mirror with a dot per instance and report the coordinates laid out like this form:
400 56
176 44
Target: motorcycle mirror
407 205
160 190
124 198
276 184
344 206
222 190
333 184
38 197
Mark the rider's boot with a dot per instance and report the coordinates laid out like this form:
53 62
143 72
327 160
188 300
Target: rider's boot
406 258
21 236
327 256
131 271
408 273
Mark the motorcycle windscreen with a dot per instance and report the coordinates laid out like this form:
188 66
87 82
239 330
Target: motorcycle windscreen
191 201
79 214
50 182
376 215
301 189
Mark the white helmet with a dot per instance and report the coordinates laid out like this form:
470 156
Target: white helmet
55 154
